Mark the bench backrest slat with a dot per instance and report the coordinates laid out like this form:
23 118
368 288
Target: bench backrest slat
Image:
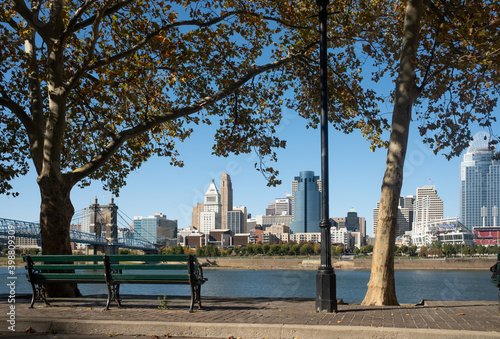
149 267
70 267
65 258
148 257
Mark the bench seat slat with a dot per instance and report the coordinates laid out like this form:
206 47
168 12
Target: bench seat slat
70 267
148 257
152 277
148 267
160 282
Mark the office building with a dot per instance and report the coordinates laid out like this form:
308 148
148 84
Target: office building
156 229
226 196
404 218
409 202
351 222
210 218
479 184
282 206
428 206
269 220
195 215
306 202
235 221
243 209
270 210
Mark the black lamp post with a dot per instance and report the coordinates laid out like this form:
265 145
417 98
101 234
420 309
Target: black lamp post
326 294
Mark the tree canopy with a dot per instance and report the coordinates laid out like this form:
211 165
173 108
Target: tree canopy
93 89
456 69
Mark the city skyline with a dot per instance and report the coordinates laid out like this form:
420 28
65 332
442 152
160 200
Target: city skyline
355 177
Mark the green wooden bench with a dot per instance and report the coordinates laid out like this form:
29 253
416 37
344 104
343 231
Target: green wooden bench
46 269
168 269
114 270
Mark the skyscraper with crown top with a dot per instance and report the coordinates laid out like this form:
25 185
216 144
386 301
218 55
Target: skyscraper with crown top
210 218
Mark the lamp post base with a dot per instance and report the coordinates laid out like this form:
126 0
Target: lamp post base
326 294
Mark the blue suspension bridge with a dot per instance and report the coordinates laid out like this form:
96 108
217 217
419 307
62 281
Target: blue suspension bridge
26 229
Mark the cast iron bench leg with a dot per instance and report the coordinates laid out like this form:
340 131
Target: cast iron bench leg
198 296
109 297
192 298
32 295
117 295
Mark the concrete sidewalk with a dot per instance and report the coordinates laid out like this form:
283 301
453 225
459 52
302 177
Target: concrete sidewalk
253 318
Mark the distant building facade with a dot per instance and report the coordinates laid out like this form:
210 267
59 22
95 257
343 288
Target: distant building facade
210 218
226 194
428 207
235 221
244 228
479 184
405 215
156 229
195 215
306 203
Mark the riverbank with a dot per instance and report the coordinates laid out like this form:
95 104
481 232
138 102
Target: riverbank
312 263
301 263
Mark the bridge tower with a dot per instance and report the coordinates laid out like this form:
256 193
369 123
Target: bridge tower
104 218
111 227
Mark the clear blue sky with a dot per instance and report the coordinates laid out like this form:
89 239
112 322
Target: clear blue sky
355 177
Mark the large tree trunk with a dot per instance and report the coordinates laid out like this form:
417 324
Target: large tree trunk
382 287
56 211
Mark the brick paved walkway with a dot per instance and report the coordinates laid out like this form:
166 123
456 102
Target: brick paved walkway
479 316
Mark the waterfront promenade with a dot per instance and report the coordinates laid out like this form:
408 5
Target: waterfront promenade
251 318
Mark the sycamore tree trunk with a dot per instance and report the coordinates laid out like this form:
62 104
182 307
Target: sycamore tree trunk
382 287
56 212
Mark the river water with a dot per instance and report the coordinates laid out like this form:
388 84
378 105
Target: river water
411 286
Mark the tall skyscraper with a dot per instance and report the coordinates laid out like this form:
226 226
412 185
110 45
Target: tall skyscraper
306 203
226 194
210 218
295 187
428 206
479 184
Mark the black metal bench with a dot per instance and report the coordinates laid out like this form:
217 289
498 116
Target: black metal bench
495 278
114 270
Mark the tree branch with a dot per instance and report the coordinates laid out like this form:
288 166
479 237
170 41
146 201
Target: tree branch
91 50
31 17
70 28
147 38
153 121
73 26
18 110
